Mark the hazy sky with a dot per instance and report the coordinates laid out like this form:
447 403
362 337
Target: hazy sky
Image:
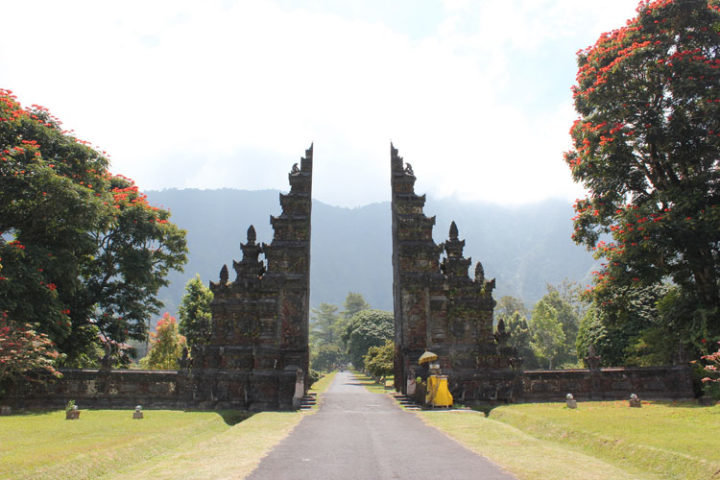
475 94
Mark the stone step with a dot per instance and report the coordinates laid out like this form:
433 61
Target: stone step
308 401
407 402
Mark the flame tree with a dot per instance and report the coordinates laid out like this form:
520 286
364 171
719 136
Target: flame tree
83 254
647 146
166 345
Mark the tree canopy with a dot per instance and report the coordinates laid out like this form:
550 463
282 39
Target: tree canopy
565 308
327 350
380 361
194 312
367 328
548 337
166 346
647 148
329 333
507 306
354 303
83 253
520 337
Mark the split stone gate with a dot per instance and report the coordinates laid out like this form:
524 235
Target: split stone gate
258 355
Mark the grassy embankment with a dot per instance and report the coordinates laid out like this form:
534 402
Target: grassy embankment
599 440
166 444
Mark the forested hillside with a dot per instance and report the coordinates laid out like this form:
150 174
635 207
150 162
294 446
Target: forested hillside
524 247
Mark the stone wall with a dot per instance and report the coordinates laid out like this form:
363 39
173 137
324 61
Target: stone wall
500 385
174 389
105 389
657 383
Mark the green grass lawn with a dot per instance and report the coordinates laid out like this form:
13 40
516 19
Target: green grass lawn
321 385
44 445
166 444
370 384
545 441
599 440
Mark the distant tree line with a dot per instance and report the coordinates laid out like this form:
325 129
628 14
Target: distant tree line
339 338
546 336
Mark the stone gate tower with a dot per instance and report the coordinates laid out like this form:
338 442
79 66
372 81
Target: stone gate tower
437 306
257 356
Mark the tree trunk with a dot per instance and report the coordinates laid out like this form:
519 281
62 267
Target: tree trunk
702 267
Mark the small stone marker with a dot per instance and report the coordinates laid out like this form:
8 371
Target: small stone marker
635 401
5 410
73 413
138 414
570 401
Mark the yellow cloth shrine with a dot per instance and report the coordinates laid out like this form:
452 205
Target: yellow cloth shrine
438 394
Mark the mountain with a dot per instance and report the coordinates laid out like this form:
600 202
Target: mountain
523 247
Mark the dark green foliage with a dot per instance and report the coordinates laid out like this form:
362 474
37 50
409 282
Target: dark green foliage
326 325
610 343
379 361
691 322
367 328
520 337
327 350
194 312
514 314
636 327
562 305
313 377
547 339
134 254
646 146
591 332
327 357
568 318
83 253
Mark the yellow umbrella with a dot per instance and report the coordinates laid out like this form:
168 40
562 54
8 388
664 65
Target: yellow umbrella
427 357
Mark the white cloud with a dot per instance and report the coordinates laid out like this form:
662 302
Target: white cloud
230 94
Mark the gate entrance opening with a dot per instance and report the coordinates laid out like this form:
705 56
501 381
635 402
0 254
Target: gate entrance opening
258 355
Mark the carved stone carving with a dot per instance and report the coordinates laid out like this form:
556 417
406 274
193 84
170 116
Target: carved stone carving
479 273
592 360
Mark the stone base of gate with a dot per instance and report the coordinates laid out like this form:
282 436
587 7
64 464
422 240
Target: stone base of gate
255 391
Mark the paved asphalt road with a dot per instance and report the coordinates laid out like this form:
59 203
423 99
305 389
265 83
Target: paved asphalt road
358 435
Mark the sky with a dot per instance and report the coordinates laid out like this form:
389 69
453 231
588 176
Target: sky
229 94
